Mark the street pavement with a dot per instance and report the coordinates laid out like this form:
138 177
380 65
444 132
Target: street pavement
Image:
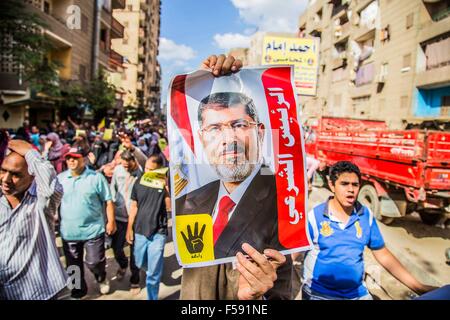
418 246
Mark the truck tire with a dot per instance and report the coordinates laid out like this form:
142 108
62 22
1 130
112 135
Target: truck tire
430 218
368 196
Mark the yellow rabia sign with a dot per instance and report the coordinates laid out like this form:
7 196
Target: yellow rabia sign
195 238
155 179
303 54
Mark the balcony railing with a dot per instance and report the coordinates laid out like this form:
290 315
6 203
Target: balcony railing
116 58
117 29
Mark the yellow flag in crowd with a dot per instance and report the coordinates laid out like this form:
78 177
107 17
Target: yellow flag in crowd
102 124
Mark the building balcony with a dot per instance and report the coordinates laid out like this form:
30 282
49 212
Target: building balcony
56 27
104 47
338 7
316 26
141 52
11 84
142 33
340 74
140 69
364 33
342 31
361 91
106 17
433 29
437 9
103 58
115 59
139 86
433 78
117 29
142 17
54 8
435 54
341 61
118 4
62 56
144 5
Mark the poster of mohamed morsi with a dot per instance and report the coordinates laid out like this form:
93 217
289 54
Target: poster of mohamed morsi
237 164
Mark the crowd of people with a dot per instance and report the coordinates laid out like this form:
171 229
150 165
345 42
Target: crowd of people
97 171
98 187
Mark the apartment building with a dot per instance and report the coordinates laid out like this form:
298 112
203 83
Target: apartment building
241 54
80 32
380 59
141 77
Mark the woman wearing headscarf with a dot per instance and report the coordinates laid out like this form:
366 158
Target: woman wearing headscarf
142 144
55 151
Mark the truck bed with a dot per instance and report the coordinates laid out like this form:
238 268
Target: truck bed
411 158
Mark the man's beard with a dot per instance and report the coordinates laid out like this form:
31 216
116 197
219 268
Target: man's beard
236 170
234 173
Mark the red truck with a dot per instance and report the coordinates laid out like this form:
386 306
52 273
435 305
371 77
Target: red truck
403 170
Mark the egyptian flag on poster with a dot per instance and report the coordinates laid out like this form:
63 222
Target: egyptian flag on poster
237 165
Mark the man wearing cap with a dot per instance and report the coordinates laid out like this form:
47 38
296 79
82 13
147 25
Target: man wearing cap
86 192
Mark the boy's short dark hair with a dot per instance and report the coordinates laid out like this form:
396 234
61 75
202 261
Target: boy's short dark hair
343 166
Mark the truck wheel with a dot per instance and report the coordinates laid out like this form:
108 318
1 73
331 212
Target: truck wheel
368 196
430 218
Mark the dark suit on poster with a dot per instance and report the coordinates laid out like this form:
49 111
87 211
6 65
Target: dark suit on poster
255 219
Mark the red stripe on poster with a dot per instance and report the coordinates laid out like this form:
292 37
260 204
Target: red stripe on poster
287 146
179 109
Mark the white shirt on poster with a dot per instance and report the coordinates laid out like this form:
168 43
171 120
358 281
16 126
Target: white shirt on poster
236 195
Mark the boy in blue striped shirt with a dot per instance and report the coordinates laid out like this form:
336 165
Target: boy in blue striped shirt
341 228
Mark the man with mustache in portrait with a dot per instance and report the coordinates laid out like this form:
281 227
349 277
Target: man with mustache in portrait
243 203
